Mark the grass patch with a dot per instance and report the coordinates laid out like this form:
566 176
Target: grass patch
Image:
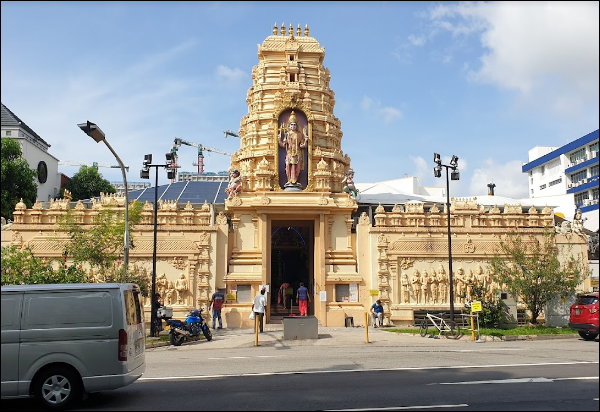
518 331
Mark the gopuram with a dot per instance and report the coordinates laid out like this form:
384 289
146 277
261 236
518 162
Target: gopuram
288 219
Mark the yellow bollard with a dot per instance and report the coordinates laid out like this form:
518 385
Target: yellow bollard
472 327
366 327
255 330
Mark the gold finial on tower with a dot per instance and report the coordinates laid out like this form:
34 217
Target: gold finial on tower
298 31
283 29
291 30
275 30
306 30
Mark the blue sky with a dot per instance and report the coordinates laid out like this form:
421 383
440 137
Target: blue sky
483 81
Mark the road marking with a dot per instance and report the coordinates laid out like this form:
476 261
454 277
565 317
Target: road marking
360 370
395 408
515 380
248 357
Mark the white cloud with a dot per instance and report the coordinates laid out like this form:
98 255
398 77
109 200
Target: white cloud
388 113
230 74
548 51
509 179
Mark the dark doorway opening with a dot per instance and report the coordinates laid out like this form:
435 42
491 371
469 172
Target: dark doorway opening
291 262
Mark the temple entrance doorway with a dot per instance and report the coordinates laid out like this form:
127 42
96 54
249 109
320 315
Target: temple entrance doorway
292 262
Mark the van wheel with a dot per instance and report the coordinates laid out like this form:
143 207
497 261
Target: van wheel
176 339
588 335
58 388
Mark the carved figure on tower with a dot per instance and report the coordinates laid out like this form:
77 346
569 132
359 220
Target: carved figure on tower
294 141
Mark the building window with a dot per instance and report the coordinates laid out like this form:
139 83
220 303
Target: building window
292 77
342 293
577 156
7 133
555 182
579 176
244 293
594 149
543 169
580 197
594 171
595 193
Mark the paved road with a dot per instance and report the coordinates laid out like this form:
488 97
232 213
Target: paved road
233 352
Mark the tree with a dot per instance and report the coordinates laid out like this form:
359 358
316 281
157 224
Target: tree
88 183
100 245
535 270
21 267
94 252
18 180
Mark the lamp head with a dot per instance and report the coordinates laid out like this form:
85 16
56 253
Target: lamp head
454 161
436 158
437 171
92 130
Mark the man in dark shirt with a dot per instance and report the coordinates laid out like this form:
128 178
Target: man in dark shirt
302 298
377 313
216 303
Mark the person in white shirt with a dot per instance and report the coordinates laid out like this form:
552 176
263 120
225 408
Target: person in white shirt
259 306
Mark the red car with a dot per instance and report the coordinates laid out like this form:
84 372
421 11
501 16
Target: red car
584 315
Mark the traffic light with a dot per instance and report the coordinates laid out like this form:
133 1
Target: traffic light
145 172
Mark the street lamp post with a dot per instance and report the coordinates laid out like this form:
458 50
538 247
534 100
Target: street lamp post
145 174
92 130
455 175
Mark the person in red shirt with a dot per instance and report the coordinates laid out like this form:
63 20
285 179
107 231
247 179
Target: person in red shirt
216 303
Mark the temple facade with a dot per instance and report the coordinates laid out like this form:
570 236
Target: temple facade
287 218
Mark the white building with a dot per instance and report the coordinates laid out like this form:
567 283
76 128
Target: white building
572 168
35 151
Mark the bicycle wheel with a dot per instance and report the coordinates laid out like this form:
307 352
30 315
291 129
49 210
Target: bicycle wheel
454 331
424 328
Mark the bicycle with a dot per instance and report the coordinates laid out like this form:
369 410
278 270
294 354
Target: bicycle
447 328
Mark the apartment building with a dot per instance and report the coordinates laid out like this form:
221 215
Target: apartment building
572 168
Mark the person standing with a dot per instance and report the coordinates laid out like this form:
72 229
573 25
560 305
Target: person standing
216 303
377 313
302 299
158 321
259 306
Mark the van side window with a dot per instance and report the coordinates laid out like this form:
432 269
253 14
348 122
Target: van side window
133 312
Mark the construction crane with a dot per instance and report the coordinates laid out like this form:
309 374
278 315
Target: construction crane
201 148
95 165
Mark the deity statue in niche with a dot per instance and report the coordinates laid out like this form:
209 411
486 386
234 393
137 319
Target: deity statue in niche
293 138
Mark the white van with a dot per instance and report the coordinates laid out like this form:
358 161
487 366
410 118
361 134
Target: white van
63 340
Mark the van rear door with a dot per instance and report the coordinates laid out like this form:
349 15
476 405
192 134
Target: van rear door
132 345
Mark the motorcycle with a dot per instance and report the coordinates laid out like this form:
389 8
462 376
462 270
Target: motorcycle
191 328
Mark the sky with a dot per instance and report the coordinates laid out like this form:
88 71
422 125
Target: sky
484 81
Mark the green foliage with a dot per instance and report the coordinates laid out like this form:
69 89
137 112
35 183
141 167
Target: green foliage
493 310
518 331
17 179
21 267
114 273
99 244
95 254
88 183
531 269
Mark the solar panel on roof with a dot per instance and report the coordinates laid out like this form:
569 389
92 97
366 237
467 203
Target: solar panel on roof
194 192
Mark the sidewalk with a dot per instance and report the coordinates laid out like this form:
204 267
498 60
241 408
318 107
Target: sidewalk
335 336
